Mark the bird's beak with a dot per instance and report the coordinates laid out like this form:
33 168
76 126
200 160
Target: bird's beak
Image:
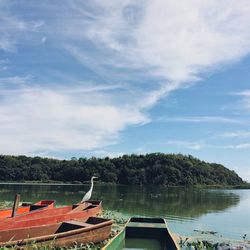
95 177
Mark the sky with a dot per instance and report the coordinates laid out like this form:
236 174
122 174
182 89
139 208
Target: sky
107 78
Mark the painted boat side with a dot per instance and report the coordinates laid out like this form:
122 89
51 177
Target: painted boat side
116 241
148 228
4 213
26 208
172 238
45 217
49 203
97 230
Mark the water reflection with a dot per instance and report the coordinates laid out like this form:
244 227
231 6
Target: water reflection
176 203
173 202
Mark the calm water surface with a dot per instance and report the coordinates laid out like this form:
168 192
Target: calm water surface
186 209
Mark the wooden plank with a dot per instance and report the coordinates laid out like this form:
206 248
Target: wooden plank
15 205
78 223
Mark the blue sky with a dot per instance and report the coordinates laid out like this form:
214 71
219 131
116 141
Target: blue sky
97 78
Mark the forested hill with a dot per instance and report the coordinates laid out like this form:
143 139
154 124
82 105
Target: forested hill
149 169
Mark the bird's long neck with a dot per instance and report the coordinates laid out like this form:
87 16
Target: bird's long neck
92 185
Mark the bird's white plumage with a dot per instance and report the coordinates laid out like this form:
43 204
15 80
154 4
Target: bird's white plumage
87 196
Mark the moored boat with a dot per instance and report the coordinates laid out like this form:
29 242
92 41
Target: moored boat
53 215
143 233
25 208
64 234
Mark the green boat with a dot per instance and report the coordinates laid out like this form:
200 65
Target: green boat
143 233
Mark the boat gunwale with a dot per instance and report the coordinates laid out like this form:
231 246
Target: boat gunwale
116 236
171 235
21 217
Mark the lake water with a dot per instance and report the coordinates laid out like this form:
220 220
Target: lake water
186 209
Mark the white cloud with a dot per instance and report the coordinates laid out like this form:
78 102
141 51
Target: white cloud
186 144
173 40
48 120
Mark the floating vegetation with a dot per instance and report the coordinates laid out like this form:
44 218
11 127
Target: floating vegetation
195 243
5 204
118 220
205 232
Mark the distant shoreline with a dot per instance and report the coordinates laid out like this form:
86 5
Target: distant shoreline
244 186
154 169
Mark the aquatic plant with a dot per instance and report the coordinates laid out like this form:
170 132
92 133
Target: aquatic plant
5 204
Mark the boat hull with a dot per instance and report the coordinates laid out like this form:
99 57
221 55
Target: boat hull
62 234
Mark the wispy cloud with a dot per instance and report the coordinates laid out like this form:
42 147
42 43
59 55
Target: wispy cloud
4 65
91 87
175 41
198 145
170 43
200 119
245 99
105 153
245 93
44 39
237 146
186 144
19 81
12 28
236 134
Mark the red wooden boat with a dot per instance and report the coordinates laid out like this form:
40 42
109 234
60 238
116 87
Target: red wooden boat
64 234
27 207
53 215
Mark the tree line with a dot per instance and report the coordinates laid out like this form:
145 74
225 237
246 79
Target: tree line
150 169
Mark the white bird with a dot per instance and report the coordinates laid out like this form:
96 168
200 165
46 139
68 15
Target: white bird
87 196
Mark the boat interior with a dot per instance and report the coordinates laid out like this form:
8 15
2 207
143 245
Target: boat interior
151 233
